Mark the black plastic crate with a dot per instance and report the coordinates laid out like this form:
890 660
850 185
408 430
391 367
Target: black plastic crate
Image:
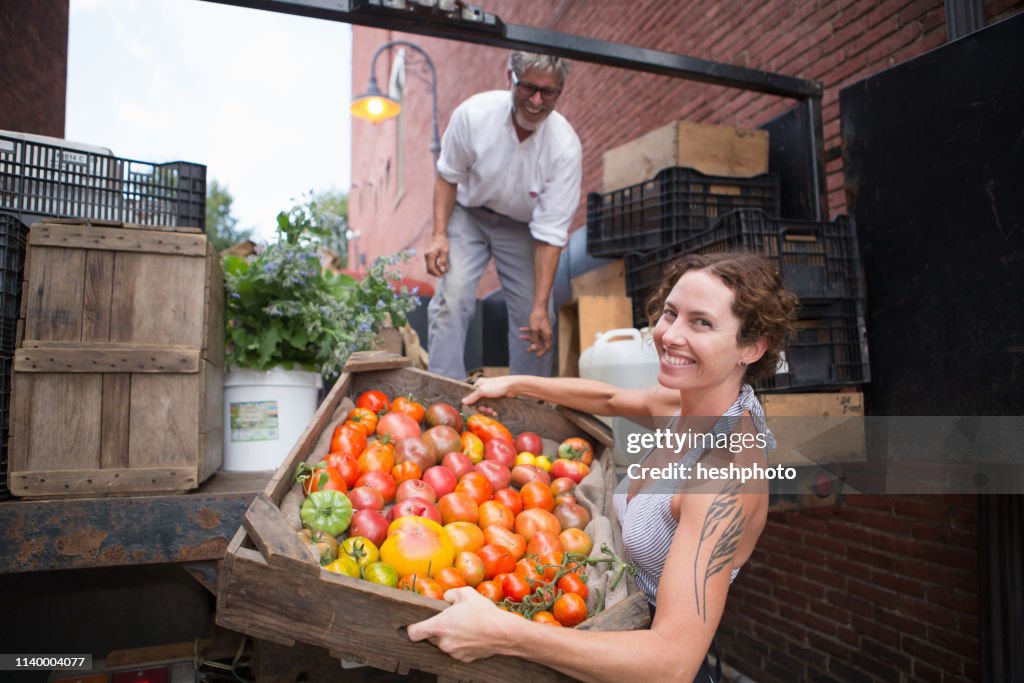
677 204
6 365
49 179
13 238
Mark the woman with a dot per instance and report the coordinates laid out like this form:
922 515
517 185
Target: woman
722 320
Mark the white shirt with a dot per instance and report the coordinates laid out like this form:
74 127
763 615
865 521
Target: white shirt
536 181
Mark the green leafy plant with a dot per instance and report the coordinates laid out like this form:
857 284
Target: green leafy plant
285 309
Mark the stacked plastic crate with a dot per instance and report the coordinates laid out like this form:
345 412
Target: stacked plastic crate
681 211
13 234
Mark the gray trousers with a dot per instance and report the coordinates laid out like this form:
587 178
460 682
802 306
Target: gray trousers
474 236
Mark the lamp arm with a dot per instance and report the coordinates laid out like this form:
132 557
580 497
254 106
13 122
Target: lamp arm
436 144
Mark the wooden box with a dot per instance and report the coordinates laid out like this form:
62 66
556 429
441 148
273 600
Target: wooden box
816 428
271 588
581 319
117 382
711 149
606 280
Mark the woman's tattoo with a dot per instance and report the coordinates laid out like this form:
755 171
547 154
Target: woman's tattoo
724 509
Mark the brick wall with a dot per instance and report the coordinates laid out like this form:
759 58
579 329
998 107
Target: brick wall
880 588
33 66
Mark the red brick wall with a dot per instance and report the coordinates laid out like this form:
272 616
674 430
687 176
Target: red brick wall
880 588
33 66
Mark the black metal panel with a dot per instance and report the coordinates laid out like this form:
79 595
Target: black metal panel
1001 540
795 152
934 159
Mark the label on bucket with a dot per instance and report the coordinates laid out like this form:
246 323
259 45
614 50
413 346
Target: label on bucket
254 421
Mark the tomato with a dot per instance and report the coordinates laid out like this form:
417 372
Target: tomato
424 585
544 542
491 590
496 535
404 471
537 494
378 456
529 522
572 583
443 414
476 486
515 587
364 418
543 462
576 449
551 562
563 498
570 609
573 469
381 573
443 440
416 545
511 499
405 404
495 512
562 485
346 465
488 428
380 481
526 458
497 560
458 506
471 566
344 565
472 447
320 478
465 536
418 451
572 516
398 426
450 577
546 617
323 546
374 400
348 438
327 511
529 442
527 568
360 549
576 541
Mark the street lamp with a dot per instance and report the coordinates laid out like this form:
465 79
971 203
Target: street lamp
374 106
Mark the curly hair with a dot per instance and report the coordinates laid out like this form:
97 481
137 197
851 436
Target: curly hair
763 306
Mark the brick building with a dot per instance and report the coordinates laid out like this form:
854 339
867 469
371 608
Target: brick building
880 588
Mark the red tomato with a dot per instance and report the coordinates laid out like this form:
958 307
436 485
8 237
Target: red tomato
572 583
405 404
365 418
544 542
551 562
458 506
476 486
488 428
496 535
563 485
515 587
570 609
322 478
491 590
349 439
374 400
537 494
527 568
576 449
497 560
573 469
529 522
451 577
423 585
346 465
398 426
511 499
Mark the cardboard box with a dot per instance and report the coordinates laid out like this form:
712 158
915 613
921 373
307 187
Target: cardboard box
816 428
711 149
581 319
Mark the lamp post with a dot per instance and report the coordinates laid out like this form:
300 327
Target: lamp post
374 106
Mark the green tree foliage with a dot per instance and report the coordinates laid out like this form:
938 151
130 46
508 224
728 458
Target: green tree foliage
328 210
221 226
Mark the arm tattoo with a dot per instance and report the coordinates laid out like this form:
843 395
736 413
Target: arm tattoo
725 509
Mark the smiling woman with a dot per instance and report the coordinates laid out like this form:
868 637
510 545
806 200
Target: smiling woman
216 85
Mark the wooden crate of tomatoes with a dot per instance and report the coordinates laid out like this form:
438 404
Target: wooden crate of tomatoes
396 492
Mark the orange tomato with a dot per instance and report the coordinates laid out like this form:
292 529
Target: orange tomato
570 609
406 470
451 577
511 499
364 418
423 585
465 536
551 563
537 494
497 535
529 522
515 587
458 506
576 541
527 568
497 560
476 486
488 428
471 566
572 583
472 447
546 617
348 438
374 400
544 542
493 512
405 404
379 455
491 590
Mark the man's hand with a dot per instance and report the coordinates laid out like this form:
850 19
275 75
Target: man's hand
437 255
538 333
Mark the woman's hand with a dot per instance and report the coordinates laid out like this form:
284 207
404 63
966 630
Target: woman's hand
468 630
489 387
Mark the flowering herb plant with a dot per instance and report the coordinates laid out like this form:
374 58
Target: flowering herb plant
285 309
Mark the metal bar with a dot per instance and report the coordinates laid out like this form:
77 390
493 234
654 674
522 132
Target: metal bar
492 32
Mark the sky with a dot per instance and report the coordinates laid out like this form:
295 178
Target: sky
260 98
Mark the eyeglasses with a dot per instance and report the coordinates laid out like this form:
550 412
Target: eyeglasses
525 89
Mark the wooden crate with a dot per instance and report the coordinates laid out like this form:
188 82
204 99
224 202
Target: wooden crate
816 428
606 280
581 319
117 382
711 149
272 589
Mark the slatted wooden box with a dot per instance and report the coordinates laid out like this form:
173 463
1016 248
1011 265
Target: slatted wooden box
118 377
272 589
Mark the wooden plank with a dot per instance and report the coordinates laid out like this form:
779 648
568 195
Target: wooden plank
99 283
115 238
366 361
211 419
277 542
164 421
590 424
579 322
204 572
106 358
625 615
63 427
605 280
114 428
54 291
213 326
91 481
158 299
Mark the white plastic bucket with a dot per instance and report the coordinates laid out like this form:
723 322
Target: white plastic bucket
265 413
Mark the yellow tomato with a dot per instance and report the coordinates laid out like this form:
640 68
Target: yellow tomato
417 545
344 565
526 458
543 462
360 549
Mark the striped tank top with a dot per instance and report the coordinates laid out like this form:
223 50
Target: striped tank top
647 522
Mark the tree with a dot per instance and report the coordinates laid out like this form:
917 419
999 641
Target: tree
325 215
221 226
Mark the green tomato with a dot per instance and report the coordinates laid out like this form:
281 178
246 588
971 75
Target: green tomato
328 511
382 573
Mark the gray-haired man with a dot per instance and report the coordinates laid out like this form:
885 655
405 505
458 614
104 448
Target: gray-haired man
508 184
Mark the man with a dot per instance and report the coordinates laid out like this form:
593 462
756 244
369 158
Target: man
507 186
